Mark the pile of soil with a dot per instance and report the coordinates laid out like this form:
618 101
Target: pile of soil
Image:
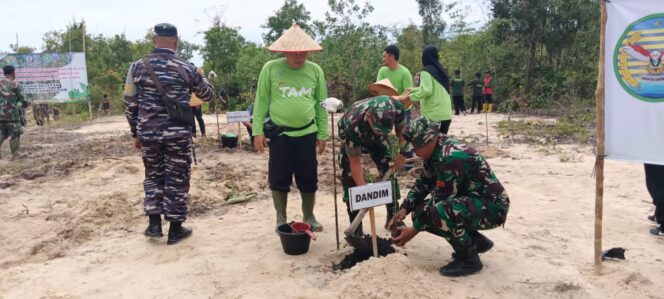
361 254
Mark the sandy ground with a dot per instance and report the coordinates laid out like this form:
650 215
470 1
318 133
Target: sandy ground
72 228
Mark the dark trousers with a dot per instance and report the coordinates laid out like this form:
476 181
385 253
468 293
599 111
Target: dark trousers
445 126
293 156
488 99
198 114
459 105
477 102
655 185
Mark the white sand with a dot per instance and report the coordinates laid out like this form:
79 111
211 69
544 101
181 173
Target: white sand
82 234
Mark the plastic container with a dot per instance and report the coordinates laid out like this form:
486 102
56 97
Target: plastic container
293 243
229 140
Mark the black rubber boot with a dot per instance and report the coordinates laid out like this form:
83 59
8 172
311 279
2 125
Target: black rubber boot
467 262
154 227
177 233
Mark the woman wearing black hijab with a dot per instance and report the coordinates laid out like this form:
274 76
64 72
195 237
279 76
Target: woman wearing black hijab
432 90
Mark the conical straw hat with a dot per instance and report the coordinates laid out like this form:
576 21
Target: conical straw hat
295 40
383 88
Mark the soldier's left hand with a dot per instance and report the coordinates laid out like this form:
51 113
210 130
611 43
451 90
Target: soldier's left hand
405 234
321 146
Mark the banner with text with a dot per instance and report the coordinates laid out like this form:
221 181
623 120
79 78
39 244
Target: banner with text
635 81
50 77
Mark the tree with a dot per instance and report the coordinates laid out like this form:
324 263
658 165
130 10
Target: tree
291 12
21 49
222 45
433 25
352 47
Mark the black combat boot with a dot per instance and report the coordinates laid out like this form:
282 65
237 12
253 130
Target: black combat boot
467 262
177 233
154 227
483 243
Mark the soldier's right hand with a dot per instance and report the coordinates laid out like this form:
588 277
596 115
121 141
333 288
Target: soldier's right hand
260 143
136 143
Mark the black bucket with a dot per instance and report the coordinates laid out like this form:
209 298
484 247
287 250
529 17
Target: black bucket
228 141
293 243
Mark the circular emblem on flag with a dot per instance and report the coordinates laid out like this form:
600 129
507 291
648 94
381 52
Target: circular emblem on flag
637 59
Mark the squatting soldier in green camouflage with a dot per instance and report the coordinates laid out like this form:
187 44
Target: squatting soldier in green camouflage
12 104
366 125
465 197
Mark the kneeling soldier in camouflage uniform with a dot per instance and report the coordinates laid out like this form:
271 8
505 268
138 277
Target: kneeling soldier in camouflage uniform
465 197
12 104
366 126
164 142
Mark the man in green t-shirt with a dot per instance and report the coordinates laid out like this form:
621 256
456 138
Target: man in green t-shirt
401 79
291 89
457 85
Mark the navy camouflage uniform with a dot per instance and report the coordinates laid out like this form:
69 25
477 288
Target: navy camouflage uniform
12 105
166 144
465 194
357 136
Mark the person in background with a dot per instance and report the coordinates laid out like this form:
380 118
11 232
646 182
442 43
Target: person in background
401 79
457 85
431 91
198 114
12 101
655 185
488 93
105 105
476 86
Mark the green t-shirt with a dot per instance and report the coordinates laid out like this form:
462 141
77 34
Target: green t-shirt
292 96
457 85
400 77
435 103
477 84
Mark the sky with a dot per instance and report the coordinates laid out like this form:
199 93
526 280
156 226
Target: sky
33 18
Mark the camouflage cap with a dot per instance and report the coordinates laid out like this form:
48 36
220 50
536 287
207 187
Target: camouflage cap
382 112
420 132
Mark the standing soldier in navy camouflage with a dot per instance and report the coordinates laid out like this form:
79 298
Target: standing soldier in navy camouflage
12 103
366 126
165 143
465 197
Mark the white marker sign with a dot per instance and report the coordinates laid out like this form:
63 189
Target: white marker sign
370 195
237 117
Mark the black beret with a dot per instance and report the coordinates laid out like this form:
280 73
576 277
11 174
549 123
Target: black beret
8 69
165 29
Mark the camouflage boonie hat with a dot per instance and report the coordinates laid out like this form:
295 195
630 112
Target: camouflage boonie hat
383 114
420 132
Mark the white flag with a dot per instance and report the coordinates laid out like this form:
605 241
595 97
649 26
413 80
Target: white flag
635 81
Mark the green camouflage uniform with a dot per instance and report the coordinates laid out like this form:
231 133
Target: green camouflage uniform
357 136
465 194
12 104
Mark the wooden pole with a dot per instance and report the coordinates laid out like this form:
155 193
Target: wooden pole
599 161
374 241
239 137
334 174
